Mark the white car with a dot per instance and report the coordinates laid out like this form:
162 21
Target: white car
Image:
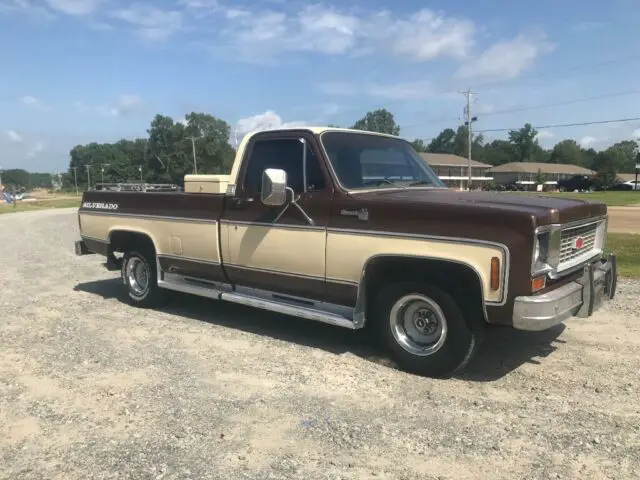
634 185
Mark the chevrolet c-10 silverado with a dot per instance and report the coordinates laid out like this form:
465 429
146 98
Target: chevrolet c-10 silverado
354 229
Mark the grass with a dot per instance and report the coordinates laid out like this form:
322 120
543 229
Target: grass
626 246
40 205
612 199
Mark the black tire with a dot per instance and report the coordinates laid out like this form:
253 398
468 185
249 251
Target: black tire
140 294
460 341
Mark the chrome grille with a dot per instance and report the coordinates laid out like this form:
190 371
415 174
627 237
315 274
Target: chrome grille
577 243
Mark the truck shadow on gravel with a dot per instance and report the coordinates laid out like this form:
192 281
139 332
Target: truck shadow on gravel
502 351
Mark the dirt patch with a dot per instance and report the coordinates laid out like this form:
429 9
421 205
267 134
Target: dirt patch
624 219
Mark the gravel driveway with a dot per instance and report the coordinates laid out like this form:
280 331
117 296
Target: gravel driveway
91 388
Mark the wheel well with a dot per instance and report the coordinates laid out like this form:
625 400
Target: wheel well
458 279
123 240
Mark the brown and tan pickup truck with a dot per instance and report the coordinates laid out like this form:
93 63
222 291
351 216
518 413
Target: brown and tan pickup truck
354 229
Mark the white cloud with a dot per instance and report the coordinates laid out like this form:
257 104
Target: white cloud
409 90
263 121
32 102
14 136
150 23
24 7
74 7
126 105
545 135
35 149
588 141
421 36
506 60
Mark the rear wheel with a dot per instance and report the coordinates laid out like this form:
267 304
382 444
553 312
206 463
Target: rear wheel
139 274
423 328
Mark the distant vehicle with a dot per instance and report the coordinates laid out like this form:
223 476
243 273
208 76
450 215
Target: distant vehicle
581 183
633 184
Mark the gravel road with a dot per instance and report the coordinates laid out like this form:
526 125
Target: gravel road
91 388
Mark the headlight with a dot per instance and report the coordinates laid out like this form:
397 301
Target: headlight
546 250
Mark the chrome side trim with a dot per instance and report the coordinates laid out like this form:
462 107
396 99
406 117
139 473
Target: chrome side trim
149 216
275 272
189 259
359 316
285 226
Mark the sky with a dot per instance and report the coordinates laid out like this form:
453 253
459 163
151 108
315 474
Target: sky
80 71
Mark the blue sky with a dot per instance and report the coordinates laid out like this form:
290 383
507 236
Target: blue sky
76 71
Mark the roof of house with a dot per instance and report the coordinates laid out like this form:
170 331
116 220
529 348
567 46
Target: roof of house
627 177
548 168
449 160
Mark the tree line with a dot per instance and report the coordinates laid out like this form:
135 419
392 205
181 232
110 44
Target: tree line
167 152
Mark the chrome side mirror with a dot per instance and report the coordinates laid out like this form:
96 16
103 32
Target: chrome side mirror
274 187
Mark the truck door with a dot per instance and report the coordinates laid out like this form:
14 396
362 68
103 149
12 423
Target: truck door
284 255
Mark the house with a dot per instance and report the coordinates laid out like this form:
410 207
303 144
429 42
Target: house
453 170
526 173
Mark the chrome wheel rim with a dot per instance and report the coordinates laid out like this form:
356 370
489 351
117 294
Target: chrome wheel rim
418 324
137 276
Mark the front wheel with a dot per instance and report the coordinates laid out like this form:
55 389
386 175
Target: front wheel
423 329
140 278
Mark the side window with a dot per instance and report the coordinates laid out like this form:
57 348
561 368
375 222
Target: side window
285 154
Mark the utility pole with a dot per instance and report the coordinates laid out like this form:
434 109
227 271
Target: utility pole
193 147
468 93
88 177
75 178
102 170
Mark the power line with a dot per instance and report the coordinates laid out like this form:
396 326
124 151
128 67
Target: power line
557 104
579 124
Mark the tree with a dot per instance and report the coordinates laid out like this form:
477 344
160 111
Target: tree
419 145
567 151
498 152
625 153
16 177
606 166
443 143
380 121
539 177
524 142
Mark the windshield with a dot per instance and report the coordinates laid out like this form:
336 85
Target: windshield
362 160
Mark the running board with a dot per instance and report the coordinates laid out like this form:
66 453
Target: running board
218 292
302 312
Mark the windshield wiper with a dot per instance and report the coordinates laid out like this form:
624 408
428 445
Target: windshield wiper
386 180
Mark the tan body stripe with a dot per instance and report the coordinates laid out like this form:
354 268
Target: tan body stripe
295 251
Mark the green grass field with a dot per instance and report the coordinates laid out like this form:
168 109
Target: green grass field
626 246
40 205
612 199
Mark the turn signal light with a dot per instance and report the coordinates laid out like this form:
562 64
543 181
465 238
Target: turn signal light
538 283
495 273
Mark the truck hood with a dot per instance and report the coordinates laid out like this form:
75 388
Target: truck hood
543 209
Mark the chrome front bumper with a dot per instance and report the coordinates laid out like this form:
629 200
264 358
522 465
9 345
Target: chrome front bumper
578 298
